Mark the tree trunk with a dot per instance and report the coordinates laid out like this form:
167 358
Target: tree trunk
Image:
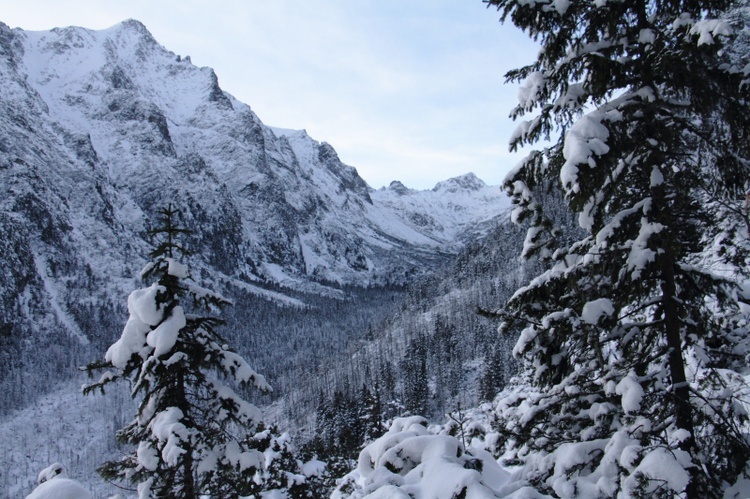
680 389
187 463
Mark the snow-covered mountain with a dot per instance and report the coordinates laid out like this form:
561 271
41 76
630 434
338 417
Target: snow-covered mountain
102 127
99 129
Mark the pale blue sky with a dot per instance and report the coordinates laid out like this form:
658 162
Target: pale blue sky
403 89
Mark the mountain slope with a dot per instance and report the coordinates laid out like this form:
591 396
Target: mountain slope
98 129
124 112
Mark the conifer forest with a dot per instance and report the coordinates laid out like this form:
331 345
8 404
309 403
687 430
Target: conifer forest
195 304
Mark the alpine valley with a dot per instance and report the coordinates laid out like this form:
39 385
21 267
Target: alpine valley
329 277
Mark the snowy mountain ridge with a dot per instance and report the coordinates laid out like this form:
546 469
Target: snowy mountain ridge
147 126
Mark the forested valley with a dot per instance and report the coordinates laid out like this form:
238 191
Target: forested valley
591 341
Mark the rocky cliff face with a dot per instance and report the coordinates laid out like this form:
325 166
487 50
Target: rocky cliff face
102 127
98 129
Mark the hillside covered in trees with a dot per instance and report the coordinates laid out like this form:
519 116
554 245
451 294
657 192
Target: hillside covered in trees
592 341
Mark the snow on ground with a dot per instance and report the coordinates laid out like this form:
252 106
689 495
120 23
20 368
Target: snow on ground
292 282
60 488
412 460
64 427
62 315
55 484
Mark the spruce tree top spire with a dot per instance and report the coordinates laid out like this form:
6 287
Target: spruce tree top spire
169 246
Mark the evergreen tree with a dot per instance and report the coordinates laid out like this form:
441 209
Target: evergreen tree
193 434
414 376
448 359
348 426
494 367
280 473
634 337
325 428
387 380
371 414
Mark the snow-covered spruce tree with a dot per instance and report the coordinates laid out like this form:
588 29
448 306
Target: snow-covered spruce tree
193 434
635 338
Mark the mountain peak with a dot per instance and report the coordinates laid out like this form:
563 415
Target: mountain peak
399 188
134 31
466 182
134 26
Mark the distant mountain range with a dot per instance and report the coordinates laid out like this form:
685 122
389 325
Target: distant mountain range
100 128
